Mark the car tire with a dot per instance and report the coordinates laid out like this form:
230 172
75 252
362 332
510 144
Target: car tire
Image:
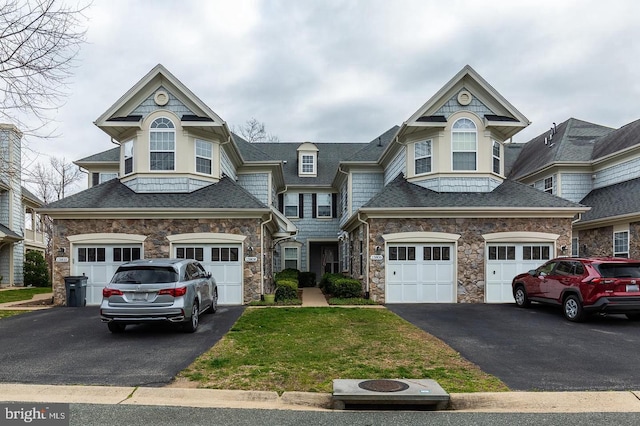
116 327
520 295
633 317
214 303
572 308
192 325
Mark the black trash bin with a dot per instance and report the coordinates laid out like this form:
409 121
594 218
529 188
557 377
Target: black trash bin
76 290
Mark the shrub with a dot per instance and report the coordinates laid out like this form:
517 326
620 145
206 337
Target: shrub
286 289
327 281
307 279
347 288
36 272
286 274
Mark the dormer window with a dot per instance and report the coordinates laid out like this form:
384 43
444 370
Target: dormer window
162 144
464 145
307 160
422 156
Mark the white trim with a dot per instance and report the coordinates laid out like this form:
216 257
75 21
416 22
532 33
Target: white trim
420 237
106 238
206 238
521 237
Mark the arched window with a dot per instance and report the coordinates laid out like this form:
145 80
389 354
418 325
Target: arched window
464 145
162 144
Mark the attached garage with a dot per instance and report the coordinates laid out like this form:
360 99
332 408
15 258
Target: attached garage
420 273
506 259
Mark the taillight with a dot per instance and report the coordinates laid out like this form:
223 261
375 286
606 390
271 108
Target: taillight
175 292
108 292
602 281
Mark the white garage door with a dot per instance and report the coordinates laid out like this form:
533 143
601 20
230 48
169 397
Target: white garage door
99 262
223 261
420 273
505 261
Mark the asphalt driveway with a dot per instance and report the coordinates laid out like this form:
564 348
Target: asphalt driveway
536 349
71 346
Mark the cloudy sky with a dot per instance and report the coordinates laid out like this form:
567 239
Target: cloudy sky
348 70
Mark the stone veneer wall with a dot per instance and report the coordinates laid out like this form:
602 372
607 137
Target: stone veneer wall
157 245
471 246
599 241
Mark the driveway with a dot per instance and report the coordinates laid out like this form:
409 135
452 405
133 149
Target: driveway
536 349
71 346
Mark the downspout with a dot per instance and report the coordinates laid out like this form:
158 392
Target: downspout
263 254
366 271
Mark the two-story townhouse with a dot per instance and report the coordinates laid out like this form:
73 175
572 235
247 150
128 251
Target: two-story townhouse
20 226
422 213
598 167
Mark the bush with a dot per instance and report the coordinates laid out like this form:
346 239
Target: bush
286 289
307 279
286 274
347 288
327 281
36 272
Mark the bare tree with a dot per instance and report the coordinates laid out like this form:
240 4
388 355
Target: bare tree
39 40
254 131
52 182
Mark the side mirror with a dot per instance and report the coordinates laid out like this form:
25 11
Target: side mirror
532 272
208 274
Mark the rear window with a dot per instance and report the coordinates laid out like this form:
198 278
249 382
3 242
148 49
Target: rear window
617 270
144 275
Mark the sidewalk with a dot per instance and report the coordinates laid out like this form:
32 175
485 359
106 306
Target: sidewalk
18 305
499 402
313 297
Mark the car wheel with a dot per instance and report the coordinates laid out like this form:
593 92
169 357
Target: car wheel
520 295
192 325
633 317
572 308
214 303
116 327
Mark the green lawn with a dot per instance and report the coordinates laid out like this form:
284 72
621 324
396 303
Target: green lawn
304 349
22 294
6 314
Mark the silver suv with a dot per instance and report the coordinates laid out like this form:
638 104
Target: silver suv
152 290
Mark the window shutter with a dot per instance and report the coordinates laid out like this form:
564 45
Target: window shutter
301 205
334 205
95 179
314 205
281 203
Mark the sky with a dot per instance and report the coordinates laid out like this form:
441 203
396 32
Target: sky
346 71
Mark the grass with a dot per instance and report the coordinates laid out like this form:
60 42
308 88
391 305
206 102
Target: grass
304 349
352 301
22 294
6 314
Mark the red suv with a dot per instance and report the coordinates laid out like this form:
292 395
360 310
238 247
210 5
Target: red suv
583 286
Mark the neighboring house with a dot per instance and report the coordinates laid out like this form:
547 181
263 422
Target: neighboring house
20 226
423 213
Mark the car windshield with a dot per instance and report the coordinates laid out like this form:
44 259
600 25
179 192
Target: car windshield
617 270
144 275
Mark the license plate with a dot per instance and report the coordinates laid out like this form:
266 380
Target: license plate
632 287
139 297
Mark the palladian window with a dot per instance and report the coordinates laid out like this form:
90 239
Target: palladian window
464 145
162 144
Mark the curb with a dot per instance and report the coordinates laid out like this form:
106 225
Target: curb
492 402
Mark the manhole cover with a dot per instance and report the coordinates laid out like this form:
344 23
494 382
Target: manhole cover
383 385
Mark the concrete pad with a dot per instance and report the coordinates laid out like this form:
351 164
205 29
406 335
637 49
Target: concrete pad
546 402
67 394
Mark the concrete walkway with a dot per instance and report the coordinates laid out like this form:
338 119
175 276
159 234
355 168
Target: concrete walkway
16 306
313 297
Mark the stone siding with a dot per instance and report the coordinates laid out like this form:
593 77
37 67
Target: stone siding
598 242
157 244
470 251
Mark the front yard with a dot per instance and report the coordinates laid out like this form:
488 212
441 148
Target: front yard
304 349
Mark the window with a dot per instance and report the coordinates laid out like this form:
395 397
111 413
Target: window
621 244
575 247
436 253
224 254
128 157
502 252
422 154
536 253
464 144
324 205
162 144
91 254
290 257
204 156
308 164
549 184
291 204
496 157
126 254
98 178
196 253
28 220
402 253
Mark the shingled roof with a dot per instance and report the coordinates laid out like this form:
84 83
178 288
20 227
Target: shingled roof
112 155
226 194
510 194
615 200
618 140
